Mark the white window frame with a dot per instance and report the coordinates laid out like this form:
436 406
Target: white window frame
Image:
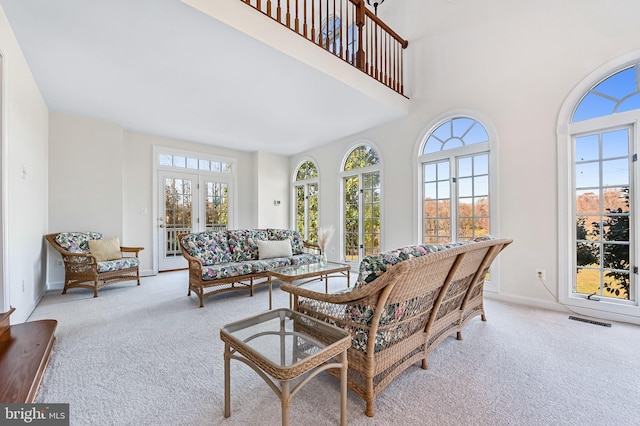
566 131
491 147
294 196
342 174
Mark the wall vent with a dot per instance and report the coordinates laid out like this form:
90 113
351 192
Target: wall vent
604 324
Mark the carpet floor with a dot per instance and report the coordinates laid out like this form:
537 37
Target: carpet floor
147 355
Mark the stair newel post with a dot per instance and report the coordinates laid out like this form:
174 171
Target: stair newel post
360 24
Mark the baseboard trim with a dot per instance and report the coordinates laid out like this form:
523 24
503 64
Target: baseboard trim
554 306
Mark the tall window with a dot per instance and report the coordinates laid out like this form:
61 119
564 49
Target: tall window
455 181
306 196
361 206
602 207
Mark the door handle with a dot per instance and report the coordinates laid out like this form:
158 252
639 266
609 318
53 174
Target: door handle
163 226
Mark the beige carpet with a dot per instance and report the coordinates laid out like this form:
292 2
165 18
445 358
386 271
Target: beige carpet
149 356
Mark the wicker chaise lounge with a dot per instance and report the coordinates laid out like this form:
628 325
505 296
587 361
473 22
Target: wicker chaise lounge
82 269
409 299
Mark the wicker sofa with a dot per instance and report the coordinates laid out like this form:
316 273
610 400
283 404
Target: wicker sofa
231 260
410 299
83 269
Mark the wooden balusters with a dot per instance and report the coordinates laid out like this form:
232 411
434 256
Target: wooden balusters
347 29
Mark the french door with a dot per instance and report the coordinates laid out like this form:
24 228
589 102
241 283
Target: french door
361 215
188 202
307 211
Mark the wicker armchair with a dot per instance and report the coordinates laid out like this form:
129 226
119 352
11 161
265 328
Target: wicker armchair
410 309
81 269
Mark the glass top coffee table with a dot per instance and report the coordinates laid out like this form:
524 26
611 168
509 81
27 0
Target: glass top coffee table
309 272
285 345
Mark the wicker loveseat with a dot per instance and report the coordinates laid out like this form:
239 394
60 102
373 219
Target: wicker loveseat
410 299
83 269
231 260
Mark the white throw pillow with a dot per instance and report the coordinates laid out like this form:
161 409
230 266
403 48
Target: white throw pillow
268 249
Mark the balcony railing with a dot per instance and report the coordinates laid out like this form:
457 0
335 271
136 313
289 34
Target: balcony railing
347 29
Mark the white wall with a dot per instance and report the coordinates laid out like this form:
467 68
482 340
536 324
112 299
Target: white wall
273 180
85 180
24 176
513 62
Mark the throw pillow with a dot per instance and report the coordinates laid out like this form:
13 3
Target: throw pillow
268 249
107 249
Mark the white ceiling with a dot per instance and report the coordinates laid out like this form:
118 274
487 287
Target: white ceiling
163 68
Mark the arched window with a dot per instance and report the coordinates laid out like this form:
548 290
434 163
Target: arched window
597 156
306 196
340 37
455 181
361 203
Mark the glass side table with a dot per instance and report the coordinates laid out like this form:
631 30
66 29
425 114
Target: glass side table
285 345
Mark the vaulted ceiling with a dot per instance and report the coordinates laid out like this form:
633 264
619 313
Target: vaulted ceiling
163 68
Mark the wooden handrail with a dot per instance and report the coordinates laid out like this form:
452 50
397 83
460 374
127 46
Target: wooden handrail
384 26
346 29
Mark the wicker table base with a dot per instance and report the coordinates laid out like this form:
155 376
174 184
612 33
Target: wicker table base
285 345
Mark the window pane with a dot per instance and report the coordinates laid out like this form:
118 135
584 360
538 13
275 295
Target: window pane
587 202
588 281
204 165
615 172
166 160
587 175
179 161
593 106
616 199
192 163
587 148
481 186
465 167
465 187
615 144
481 164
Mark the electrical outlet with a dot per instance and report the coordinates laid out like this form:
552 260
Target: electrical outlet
541 274
23 286
59 263
333 249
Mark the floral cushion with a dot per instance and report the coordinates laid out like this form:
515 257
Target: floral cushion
242 244
210 247
374 265
263 265
118 264
297 244
304 258
392 328
77 242
226 270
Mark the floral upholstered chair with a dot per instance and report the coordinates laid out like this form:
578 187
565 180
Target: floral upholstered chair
92 262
